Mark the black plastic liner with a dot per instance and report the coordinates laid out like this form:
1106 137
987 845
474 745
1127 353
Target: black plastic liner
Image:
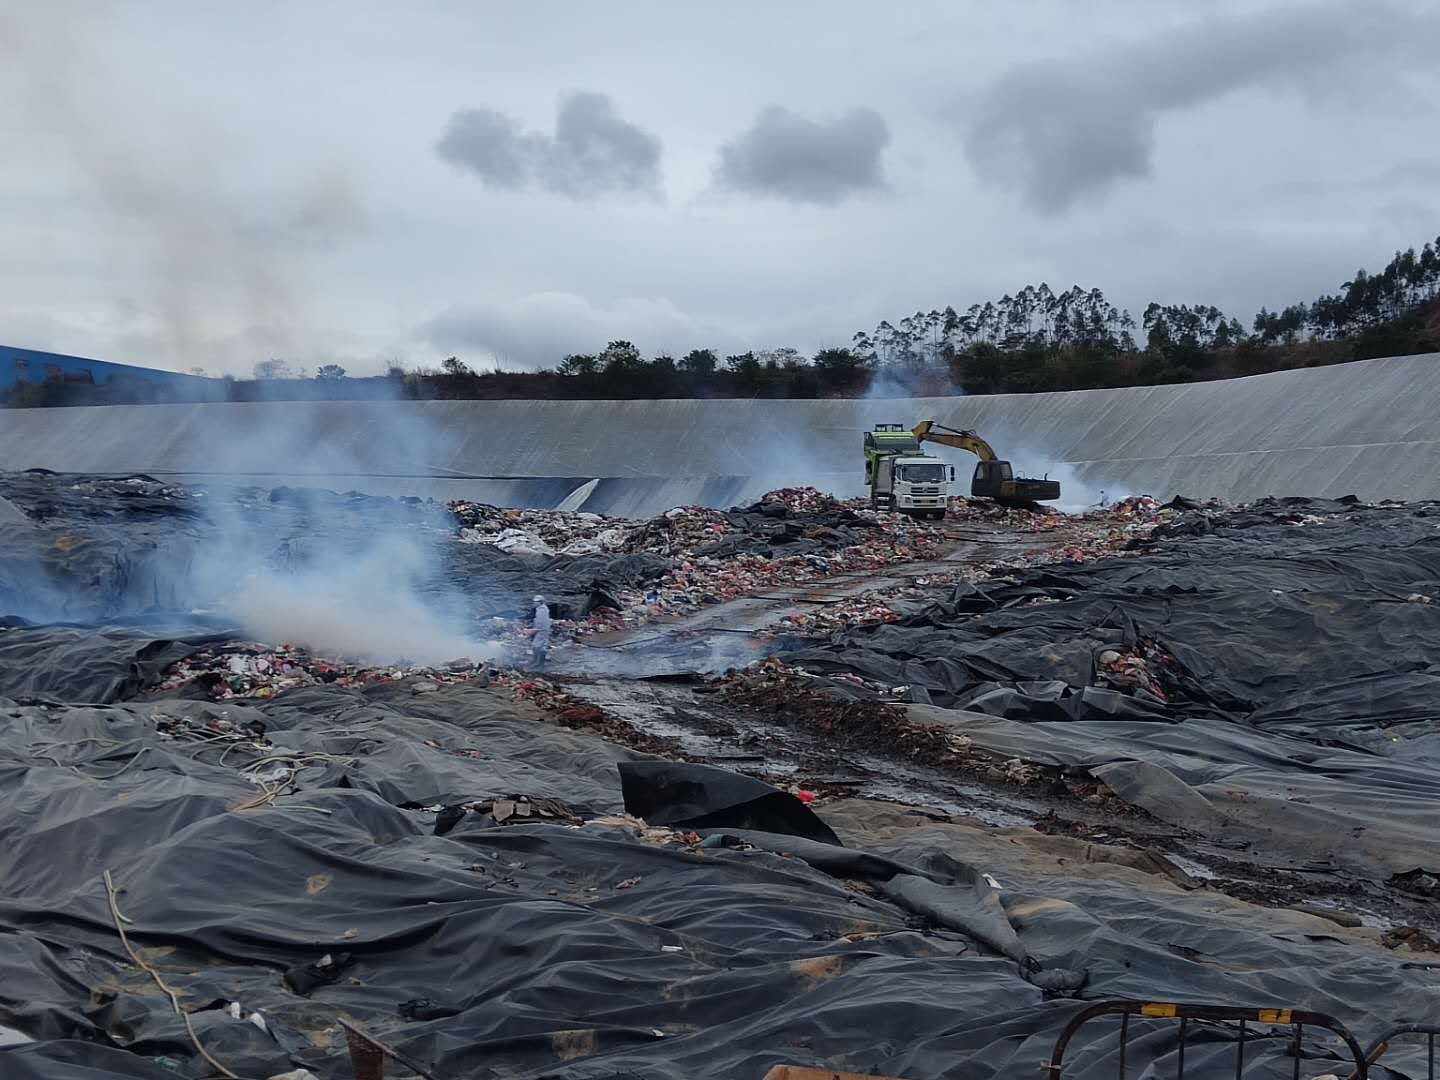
303 878
77 664
1299 704
547 950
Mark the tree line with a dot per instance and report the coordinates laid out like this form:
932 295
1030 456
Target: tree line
1033 340
1038 339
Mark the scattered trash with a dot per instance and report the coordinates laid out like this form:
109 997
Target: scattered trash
303 978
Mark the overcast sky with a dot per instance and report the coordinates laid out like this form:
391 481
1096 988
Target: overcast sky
214 184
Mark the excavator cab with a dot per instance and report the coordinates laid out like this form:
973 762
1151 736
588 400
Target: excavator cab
990 478
997 480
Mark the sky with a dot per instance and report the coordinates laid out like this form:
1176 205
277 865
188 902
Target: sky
203 185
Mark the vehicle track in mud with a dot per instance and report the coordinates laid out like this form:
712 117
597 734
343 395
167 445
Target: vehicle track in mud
740 631
699 724
690 716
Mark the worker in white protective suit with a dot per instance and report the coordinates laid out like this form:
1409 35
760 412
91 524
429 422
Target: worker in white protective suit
540 640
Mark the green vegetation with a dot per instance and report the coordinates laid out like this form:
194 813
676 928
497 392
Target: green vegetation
1033 340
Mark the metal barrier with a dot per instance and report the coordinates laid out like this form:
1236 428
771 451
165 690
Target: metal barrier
1380 1045
368 1054
1223 1014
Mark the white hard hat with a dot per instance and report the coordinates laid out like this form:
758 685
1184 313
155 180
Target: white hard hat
539 600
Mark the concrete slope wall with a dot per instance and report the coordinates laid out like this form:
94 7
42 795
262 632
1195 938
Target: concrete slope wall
1369 428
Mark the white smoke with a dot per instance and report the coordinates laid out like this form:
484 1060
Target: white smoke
365 586
366 606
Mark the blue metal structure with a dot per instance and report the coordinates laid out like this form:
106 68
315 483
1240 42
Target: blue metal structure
30 365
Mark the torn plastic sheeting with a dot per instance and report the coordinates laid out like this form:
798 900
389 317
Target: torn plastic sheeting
71 498
1372 814
949 892
412 751
88 665
1160 792
704 797
560 950
942 889
75 1059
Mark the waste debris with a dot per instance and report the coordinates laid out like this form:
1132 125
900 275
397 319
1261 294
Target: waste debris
241 669
790 536
310 845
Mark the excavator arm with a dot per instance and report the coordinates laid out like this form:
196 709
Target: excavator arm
994 478
930 431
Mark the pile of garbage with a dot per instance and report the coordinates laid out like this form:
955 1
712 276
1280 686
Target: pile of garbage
1102 532
791 536
254 671
538 532
801 518
1144 667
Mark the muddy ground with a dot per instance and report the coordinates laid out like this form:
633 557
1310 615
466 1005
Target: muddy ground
845 754
772 728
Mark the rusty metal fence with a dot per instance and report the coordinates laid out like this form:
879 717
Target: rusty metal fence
1385 1041
1247 1023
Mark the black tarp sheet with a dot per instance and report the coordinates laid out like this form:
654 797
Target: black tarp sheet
605 951
703 797
548 950
1301 711
91 665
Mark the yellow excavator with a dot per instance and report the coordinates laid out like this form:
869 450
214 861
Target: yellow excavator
994 478
903 478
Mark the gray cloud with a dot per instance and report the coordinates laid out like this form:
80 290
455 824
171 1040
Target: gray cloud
174 209
786 156
593 151
210 273
1066 130
539 330
1419 173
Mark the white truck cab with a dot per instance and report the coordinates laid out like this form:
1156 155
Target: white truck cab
912 485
